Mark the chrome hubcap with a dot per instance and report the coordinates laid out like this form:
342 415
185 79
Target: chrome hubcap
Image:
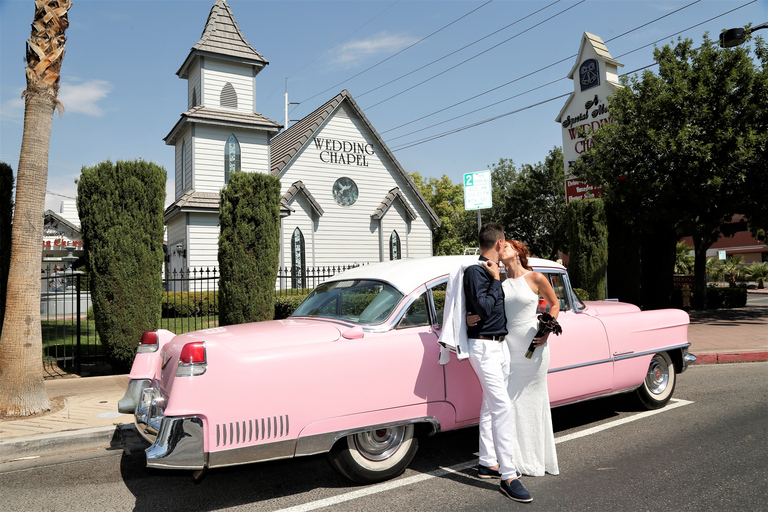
658 375
379 444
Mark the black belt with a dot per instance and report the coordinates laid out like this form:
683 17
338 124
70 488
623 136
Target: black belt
492 338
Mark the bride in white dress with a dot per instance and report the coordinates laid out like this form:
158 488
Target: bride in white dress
534 441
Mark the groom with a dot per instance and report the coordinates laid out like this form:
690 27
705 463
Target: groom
489 357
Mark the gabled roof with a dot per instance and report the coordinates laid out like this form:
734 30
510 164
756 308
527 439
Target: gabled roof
194 201
390 198
55 217
597 44
286 145
207 115
294 189
222 38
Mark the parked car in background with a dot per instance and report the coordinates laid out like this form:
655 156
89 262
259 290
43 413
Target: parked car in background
354 373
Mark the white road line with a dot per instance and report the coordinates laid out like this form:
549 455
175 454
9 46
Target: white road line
458 468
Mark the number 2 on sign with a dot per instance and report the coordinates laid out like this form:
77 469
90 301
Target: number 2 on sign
468 180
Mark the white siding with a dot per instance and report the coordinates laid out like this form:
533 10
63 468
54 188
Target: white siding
180 188
396 219
203 230
218 73
300 218
209 154
347 234
193 86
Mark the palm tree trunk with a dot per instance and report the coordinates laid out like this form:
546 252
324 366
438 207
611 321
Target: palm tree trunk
22 389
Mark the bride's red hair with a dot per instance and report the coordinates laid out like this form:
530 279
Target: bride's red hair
522 252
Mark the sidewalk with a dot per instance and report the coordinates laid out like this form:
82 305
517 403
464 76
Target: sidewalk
85 413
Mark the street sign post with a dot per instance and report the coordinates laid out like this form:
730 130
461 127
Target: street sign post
477 192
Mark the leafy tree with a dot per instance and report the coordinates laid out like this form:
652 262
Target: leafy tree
530 203
686 152
22 389
6 223
249 247
121 215
587 246
734 269
447 200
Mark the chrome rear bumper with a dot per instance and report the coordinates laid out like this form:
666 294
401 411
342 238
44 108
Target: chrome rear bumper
177 443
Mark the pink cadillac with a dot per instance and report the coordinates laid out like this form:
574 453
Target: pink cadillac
354 373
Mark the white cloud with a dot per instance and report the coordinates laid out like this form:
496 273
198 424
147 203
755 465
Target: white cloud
352 53
83 98
13 109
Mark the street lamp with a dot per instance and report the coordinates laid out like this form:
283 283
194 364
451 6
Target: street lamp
736 36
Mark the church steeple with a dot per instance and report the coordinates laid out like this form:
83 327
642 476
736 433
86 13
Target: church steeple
222 38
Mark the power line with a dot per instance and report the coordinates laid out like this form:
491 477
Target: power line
544 68
475 56
478 123
399 52
454 52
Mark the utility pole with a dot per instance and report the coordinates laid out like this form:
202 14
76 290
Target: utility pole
285 127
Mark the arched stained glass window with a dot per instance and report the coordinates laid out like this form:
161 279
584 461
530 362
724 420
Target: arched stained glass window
231 157
298 260
394 246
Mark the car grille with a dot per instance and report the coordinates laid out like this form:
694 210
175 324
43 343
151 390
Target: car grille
246 431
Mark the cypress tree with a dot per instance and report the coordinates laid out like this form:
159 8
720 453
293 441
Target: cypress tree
249 218
6 223
587 246
121 215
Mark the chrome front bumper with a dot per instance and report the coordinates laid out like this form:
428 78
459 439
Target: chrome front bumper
177 443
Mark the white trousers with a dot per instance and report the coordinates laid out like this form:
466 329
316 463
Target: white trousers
490 360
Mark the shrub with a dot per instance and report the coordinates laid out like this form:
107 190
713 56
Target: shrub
726 297
581 293
121 215
187 304
587 246
285 305
248 247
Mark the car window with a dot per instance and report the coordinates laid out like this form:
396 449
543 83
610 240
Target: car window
417 314
438 298
358 300
558 284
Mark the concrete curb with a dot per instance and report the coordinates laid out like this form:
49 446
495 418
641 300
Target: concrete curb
731 357
96 438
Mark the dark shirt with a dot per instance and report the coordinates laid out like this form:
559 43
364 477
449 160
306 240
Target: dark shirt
484 297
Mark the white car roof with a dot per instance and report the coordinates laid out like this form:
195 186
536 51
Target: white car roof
409 273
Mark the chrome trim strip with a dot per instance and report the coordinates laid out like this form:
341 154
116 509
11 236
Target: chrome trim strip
654 351
322 443
247 454
619 358
603 361
179 444
620 392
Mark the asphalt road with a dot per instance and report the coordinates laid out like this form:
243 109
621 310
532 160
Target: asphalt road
707 450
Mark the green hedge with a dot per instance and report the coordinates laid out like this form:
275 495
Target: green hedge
582 294
285 305
187 304
726 297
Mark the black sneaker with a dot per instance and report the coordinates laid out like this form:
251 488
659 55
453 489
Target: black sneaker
486 472
515 491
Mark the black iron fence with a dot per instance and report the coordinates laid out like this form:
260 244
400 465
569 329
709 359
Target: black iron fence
190 302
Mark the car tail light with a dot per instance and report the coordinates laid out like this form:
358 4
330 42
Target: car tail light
192 360
149 342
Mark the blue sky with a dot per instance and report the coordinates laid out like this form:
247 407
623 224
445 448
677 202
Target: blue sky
122 96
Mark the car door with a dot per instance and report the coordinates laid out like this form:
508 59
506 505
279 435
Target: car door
580 363
462 389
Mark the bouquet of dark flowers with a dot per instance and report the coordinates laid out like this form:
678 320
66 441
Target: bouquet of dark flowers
547 323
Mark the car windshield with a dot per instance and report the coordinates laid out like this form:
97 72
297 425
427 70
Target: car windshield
357 300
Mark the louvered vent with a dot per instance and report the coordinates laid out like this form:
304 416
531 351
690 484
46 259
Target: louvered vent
228 96
245 431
